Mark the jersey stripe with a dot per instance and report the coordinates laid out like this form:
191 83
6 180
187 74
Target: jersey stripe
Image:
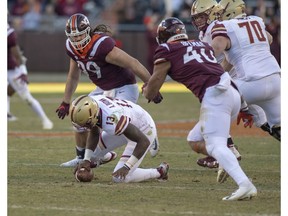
96 45
122 125
219 30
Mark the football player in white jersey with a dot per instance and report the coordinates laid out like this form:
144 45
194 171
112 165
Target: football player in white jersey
226 9
246 45
116 122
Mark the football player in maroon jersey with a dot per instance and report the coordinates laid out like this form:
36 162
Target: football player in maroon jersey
18 81
94 53
192 63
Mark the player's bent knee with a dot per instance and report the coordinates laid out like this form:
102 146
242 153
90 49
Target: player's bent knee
195 146
215 142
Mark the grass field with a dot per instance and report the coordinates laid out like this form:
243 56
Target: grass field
38 186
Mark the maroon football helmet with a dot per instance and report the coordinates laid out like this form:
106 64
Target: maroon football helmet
171 29
78 31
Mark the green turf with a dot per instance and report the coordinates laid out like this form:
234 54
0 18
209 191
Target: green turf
38 186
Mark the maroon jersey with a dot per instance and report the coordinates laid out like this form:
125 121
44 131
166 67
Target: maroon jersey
92 62
12 41
192 64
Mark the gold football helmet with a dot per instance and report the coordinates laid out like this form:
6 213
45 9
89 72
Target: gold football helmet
204 12
232 9
84 111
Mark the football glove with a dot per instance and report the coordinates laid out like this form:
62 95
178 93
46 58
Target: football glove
23 78
246 117
63 110
157 99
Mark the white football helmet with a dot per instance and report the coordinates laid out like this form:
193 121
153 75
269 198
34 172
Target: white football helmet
204 12
78 31
232 9
84 112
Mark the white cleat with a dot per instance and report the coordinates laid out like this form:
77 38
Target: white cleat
11 117
154 149
72 163
47 124
243 193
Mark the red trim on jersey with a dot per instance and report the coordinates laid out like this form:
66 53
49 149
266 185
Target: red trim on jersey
102 141
121 125
219 30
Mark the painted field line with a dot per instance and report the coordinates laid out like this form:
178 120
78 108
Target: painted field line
112 210
53 87
116 211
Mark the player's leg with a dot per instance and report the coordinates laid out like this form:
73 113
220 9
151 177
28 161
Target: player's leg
10 92
215 119
267 96
21 87
196 142
137 174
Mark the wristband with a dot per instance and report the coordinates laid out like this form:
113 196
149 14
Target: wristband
131 162
88 154
126 166
23 69
244 106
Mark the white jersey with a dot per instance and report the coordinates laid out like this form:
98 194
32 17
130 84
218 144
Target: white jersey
116 114
250 50
207 37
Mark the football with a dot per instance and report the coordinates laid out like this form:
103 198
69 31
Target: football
83 175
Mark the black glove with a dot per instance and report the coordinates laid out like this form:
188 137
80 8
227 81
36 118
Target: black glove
157 99
63 110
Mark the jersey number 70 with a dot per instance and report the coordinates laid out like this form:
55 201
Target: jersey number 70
253 27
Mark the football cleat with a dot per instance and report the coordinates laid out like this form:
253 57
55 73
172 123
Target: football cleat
208 161
243 193
72 163
110 156
11 117
211 162
163 170
154 149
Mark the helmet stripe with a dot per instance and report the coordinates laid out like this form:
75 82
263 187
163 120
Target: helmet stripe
74 23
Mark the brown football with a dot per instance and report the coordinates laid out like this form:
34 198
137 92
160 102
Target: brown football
83 175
